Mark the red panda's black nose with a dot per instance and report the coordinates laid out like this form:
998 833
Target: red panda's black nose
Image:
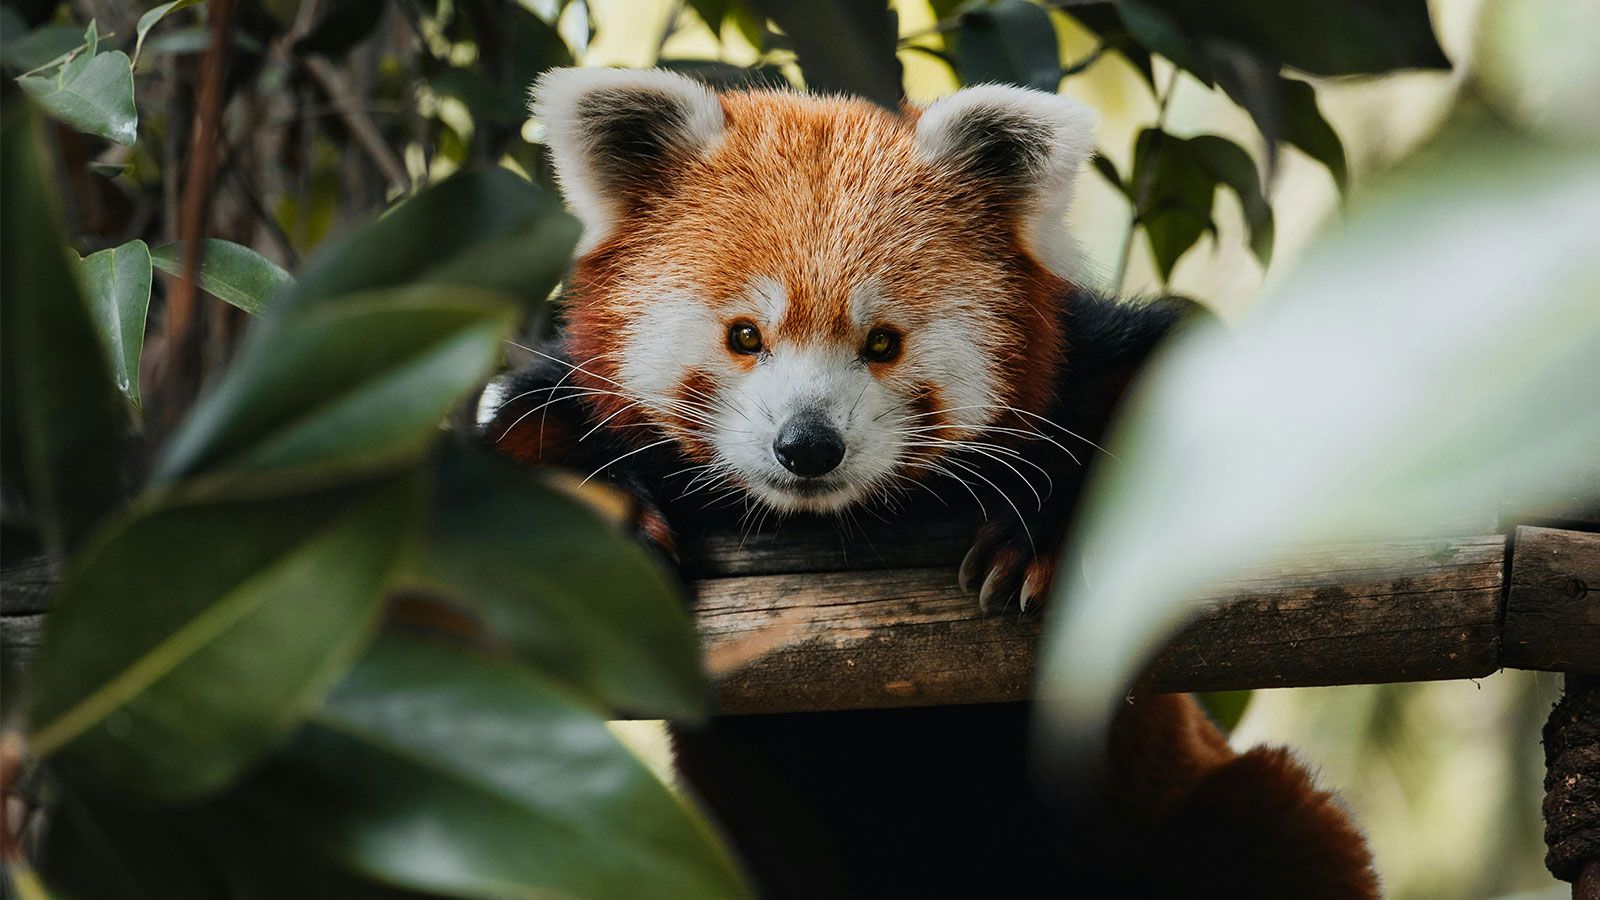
808 446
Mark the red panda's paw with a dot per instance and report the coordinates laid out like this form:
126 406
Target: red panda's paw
651 527
1006 564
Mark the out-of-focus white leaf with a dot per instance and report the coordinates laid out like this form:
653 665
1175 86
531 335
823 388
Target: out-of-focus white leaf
1436 356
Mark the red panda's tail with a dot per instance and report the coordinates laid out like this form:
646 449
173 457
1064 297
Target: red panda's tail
1229 822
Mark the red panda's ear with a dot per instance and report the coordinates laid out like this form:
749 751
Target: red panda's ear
613 133
1028 145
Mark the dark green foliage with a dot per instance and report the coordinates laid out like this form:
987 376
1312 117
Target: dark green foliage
1011 42
59 410
844 46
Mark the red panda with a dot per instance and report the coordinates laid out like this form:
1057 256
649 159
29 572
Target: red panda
814 304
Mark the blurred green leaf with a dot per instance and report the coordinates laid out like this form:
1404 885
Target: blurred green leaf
1011 42
1173 196
1104 20
1230 165
60 417
1226 708
92 92
104 845
155 15
488 229
1437 355
1336 37
343 376
186 642
569 594
346 388
847 46
712 12
1108 170
1175 180
28 50
230 272
117 282
442 770
1305 127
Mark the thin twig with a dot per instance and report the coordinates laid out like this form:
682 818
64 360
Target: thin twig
176 348
360 124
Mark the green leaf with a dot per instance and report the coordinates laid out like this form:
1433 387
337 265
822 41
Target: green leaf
149 20
565 591
102 844
1173 196
1108 170
442 770
61 421
343 376
230 272
1337 37
725 76
1229 164
92 92
188 640
844 46
1305 127
32 50
1434 356
1104 21
488 229
117 282
344 389
1226 708
1011 42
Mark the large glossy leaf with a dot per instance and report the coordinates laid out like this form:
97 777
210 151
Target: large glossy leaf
60 416
441 770
1011 42
487 229
1436 356
187 641
564 590
844 46
345 376
1336 37
230 272
92 92
117 281
110 847
345 387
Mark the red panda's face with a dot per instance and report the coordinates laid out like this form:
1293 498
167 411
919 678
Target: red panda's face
815 299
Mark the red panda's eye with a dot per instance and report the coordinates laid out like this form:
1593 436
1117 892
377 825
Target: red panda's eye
744 338
882 345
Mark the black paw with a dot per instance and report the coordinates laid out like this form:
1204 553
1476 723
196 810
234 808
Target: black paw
1009 560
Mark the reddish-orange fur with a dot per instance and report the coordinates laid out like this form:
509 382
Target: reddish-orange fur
859 205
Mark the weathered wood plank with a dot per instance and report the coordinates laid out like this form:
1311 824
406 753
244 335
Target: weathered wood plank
1403 611
1552 618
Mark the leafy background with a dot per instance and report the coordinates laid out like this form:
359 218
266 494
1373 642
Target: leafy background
1234 135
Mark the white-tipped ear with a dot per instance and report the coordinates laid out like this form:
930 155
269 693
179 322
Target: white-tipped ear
613 133
1028 144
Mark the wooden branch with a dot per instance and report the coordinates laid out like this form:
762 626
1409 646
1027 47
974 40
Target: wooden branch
1404 611
1553 605
816 618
